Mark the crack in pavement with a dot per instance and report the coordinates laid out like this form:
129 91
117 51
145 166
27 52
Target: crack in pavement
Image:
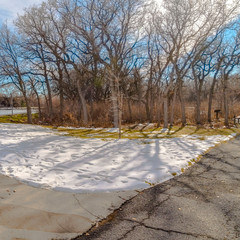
211 209
63 228
168 230
125 235
98 217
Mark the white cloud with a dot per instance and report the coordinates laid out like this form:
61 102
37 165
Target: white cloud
10 9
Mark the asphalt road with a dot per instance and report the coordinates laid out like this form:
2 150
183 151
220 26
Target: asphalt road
202 203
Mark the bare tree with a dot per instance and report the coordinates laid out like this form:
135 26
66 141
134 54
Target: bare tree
73 45
184 26
14 68
202 66
48 31
230 61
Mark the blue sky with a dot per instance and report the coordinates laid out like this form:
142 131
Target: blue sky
10 8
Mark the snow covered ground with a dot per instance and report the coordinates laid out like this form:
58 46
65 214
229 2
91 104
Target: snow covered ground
14 111
40 157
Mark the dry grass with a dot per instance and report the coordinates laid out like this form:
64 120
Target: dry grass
101 115
142 133
17 118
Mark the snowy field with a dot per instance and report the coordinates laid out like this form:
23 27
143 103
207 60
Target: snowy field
40 157
14 111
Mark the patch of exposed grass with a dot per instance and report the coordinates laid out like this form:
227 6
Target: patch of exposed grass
150 184
147 134
190 163
18 118
194 160
88 133
201 132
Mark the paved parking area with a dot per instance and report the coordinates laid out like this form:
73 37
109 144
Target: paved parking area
29 213
203 203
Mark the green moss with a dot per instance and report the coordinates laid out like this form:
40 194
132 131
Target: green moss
149 183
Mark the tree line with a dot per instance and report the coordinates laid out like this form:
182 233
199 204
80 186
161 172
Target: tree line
96 57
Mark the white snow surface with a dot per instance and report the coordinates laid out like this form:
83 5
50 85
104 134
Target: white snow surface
40 157
4 112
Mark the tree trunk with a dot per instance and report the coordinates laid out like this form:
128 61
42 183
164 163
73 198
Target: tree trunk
83 104
61 96
151 106
173 107
115 107
165 111
38 101
158 110
147 103
29 111
225 102
198 89
198 109
129 110
210 99
182 103
49 100
149 99
120 101
49 92
39 108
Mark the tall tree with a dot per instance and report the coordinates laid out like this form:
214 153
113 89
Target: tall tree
14 68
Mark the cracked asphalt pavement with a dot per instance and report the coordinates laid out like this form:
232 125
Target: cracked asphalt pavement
203 203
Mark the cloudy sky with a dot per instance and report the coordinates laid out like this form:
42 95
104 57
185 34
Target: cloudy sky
10 8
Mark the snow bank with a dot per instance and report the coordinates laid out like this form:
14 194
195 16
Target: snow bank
39 157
